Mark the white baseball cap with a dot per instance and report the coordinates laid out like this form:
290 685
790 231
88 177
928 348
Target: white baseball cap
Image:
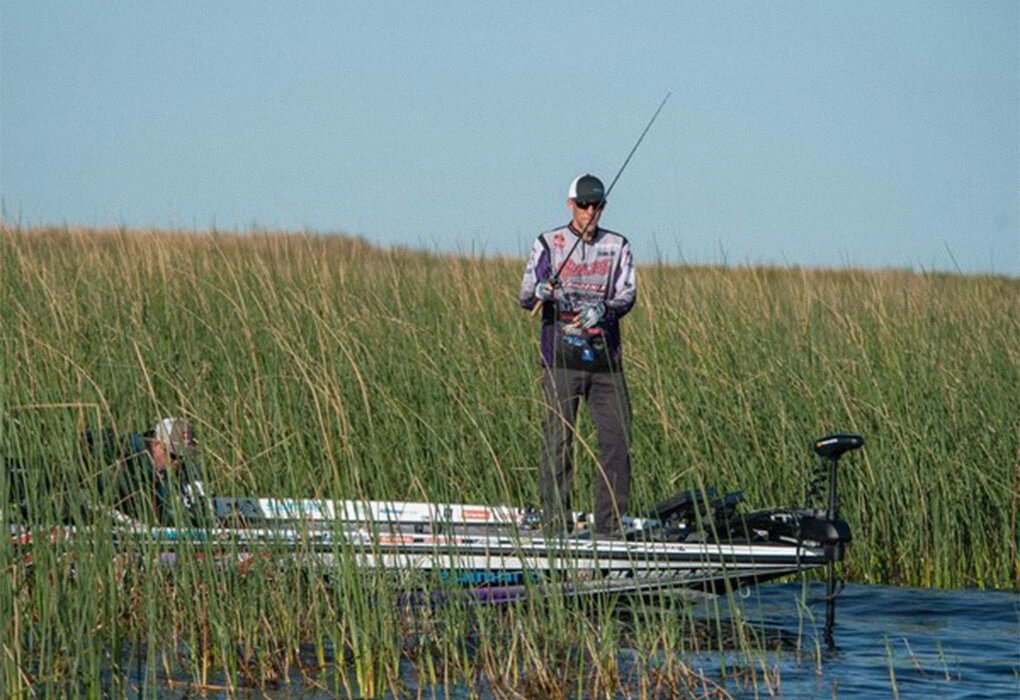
177 435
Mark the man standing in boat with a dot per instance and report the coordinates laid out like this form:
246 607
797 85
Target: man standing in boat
582 277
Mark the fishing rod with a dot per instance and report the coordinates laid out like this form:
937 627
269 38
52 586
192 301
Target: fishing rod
555 279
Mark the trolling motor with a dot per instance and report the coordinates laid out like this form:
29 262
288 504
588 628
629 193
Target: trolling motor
824 525
818 523
834 533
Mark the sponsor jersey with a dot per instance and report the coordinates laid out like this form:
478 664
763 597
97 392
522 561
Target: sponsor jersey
601 270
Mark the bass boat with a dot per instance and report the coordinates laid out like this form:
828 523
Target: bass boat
696 540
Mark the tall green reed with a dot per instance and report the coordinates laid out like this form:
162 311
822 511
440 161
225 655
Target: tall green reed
320 366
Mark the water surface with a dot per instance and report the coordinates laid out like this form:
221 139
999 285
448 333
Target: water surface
917 643
889 643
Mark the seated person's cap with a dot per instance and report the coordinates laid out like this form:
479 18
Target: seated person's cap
177 435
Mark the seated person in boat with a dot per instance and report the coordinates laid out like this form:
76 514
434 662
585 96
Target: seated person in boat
158 480
153 478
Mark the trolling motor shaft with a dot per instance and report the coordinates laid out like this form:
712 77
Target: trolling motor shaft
829 449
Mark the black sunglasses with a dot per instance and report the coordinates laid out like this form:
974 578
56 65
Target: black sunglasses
589 205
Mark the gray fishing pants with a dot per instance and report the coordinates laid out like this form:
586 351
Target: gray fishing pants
607 399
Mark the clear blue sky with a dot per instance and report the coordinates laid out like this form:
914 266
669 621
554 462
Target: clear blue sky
815 133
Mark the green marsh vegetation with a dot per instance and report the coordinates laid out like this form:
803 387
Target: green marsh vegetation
320 366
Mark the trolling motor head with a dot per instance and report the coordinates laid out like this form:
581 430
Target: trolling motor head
833 446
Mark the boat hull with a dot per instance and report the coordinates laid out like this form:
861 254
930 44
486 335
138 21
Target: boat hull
497 553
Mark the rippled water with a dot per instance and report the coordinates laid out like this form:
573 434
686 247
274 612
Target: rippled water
916 643
890 643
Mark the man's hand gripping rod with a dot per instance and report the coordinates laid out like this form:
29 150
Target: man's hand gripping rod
555 279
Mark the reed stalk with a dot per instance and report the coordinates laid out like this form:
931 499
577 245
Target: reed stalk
320 366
